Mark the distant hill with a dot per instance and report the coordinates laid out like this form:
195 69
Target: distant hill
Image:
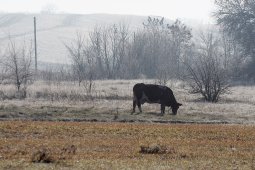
54 29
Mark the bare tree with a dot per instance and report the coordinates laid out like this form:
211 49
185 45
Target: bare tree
90 71
77 56
96 49
207 74
181 36
17 62
85 57
114 49
132 63
123 49
3 69
233 56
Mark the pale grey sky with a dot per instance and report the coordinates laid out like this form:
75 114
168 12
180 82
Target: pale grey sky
191 9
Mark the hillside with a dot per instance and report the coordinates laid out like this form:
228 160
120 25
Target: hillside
55 29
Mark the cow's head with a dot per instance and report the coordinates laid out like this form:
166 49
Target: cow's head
175 107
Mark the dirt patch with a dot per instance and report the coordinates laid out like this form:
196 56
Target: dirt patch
154 149
42 156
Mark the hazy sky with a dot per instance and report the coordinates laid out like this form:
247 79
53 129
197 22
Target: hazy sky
192 9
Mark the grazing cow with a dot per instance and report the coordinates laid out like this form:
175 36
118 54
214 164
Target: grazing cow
151 93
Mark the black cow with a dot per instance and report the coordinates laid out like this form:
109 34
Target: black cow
151 93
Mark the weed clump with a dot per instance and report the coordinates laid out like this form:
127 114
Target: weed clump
154 149
42 156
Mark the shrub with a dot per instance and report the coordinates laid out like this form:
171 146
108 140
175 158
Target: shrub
207 75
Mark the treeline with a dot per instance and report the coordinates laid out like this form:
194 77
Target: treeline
116 52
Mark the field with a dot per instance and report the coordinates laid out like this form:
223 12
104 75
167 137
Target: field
111 100
84 145
60 126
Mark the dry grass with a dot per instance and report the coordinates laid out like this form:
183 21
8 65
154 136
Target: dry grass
74 145
59 91
112 101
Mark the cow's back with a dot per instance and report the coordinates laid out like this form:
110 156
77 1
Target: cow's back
152 93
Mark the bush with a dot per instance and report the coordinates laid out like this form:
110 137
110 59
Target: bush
207 74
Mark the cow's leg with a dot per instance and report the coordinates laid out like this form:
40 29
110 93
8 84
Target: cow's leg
162 109
139 106
137 96
134 105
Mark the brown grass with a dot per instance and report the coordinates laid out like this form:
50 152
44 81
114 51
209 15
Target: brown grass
118 146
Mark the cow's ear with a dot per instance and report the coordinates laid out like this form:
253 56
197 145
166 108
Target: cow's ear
179 104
